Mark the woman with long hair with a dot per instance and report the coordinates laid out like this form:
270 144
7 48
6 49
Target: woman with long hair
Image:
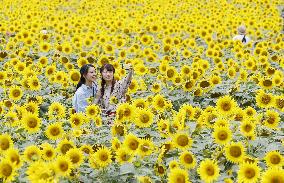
86 88
112 88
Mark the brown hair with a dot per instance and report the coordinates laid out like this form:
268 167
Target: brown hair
108 67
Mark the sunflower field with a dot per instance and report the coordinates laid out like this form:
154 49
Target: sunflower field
200 107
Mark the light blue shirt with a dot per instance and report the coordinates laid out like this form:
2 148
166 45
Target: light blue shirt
83 93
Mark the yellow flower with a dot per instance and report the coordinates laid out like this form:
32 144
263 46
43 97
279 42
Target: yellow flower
32 153
235 152
222 135
188 160
208 170
248 173
131 142
54 131
103 157
273 175
48 152
16 93
143 118
64 146
92 111
6 142
146 147
63 166
7 171
178 175
124 156
77 119
13 155
31 122
247 128
274 159
182 140
263 99
56 110
272 119
44 46
40 171
226 105
76 156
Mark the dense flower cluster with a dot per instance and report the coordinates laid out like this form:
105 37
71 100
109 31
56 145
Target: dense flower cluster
201 107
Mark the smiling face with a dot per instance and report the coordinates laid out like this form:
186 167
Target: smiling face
107 75
91 75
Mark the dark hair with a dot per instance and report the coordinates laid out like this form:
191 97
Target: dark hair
108 67
244 39
83 71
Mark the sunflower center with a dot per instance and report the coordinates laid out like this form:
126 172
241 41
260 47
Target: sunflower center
248 128
63 166
133 145
267 83
226 106
235 151
144 148
250 173
75 77
276 179
144 118
32 123
182 140
188 85
271 120
127 112
161 103
15 158
265 99
188 159
54 131
6 170
161 170
210 170
280 103
75 158
76 121
180 179
16 93
222 135
103 157
204 84
119 130
275 159
49 153
4 144
65 148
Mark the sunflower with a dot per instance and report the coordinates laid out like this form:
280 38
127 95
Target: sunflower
182 140
32 153
40 172
31 122
222 135
274 159
188 85
76 156
208 170
143 118
248 173
44 46
124 156
34 83
273 175
263 99
47 152
266 83
14 156
118 130
125 112
272 119
235 152
226 105
7 171
159 102
15 93
77 119
32 107
92 111
63 166
178 175
156 88
145 148
187 159
279 103
247 128
87 149
54 131
131 142
74 76
140 103
144 179
65 145
6 142
103 157
56 110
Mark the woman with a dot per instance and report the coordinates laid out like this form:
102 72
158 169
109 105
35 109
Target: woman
112 88
86 88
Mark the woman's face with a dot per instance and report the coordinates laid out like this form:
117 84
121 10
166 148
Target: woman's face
91 75
107 75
